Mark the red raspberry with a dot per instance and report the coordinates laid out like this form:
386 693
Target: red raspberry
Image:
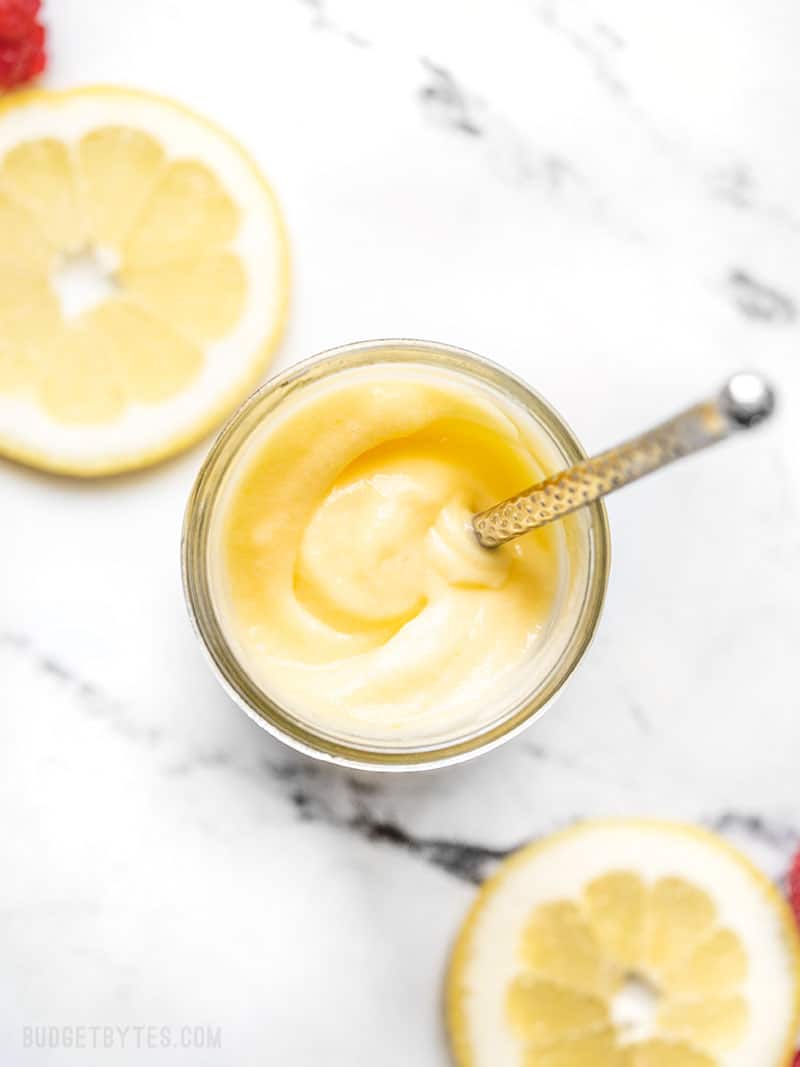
794 901
794 887
22 54
17 17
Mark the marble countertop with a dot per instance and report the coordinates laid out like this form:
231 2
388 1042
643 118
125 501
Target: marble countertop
602 195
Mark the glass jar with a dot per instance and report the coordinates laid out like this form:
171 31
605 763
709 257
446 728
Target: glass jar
586 533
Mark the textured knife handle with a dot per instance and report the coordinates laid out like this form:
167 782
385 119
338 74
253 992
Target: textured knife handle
704 424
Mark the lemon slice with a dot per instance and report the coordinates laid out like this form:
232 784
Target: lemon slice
626 944
143 278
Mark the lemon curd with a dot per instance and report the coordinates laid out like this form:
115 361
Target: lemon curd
344 568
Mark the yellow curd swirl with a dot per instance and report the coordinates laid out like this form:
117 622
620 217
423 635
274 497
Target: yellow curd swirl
350 581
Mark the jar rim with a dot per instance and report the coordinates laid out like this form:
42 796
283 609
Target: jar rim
265 708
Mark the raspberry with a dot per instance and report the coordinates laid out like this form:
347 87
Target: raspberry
794 901
794 886
22 54
17 17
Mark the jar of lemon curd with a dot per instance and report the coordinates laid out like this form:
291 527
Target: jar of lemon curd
333 577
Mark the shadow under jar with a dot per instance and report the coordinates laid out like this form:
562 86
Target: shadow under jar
426 733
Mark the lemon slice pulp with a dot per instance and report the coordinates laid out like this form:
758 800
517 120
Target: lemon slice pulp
626 944
143 278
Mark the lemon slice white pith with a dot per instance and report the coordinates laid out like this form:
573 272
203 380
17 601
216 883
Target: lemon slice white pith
188 240
626 944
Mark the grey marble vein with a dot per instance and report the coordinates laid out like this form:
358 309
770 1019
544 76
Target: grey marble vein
738 186
735 185
91 698
776 833
758 300
640 717
322 20
545 755
360 805
598 44
448 103
511 154
310 792
771 841
601 45
353 804
352 808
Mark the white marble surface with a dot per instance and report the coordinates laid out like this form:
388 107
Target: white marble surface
602 195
